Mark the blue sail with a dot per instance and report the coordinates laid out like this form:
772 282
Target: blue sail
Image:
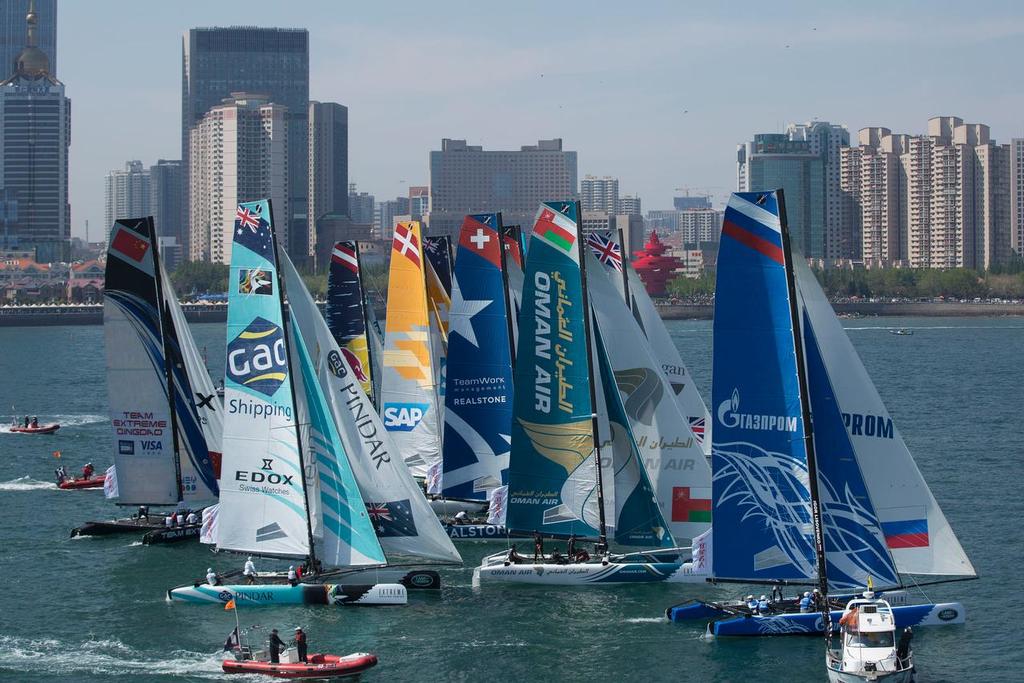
854 543
552 485
346 314
438 250
760 486
478 388
638 517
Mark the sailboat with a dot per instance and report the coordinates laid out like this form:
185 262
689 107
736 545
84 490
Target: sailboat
515 254
287 488
478 393
608 251
346 313
409 398
812 483
164 412
556 485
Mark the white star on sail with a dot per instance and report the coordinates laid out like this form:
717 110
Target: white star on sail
460 320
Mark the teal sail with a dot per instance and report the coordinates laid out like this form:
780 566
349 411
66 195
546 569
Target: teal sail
342 530
553 478
638 517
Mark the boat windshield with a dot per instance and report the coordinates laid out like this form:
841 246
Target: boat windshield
872 639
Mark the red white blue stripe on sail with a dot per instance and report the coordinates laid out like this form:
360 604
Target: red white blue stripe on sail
760 485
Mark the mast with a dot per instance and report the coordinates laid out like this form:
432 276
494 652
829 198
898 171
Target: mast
285 324
508 294
602 525
805 407
165 322
625 275
366 324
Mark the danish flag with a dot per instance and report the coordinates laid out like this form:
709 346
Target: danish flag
406 244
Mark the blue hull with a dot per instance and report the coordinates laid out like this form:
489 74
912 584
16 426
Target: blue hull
811 623
477 532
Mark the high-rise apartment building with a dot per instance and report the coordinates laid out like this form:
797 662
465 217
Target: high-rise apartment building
385 213
419 201
360 206
826 140
467 179
35 134
165 192
12 31
691 202
940 200
127 193
599 194
629 204
273 62
328 163
238 153
1017 195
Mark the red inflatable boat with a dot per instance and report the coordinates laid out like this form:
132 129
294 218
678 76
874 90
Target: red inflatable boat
41 429
90 483
318 666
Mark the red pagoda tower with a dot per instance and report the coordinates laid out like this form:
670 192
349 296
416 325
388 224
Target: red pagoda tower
654 268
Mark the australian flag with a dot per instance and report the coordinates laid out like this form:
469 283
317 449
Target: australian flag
392 519
252 228
439 254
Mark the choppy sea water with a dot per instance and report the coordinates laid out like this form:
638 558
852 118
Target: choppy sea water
94 609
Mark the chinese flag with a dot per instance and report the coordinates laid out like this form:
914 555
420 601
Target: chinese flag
131 246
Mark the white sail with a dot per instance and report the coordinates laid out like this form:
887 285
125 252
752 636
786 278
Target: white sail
136 371
687 396
406 524
200 419
916 531
678 471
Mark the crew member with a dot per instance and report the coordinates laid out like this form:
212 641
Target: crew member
776 593
805 602
538 546
168 522
174 518
192 519
249 571
513 555
751 603
570 549
144 512
35 422
817 600
211 577
293 578
461 517
762 605
88 470
300 643
274 645
26 422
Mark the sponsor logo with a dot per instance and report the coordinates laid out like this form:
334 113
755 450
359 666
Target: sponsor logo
255 281
224 596
257 357
868 425
356 365
421 580
403 417
261 477
729 416
948 614
125 447
336 365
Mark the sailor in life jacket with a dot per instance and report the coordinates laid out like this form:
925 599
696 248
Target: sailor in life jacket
293 579
805 602
762 605
249 571
211 577
751 603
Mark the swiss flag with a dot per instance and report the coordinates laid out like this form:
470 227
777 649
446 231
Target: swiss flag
129 245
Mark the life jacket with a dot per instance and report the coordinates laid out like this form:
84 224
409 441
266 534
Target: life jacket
805 603
762 606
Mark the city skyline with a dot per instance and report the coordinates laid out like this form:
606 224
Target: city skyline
663 111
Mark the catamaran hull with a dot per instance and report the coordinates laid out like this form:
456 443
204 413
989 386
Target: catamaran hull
111 527
477 532
811 623
172 535
589 574
303 594
443 507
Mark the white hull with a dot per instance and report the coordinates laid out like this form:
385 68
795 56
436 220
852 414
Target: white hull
449 508
302 594
881 676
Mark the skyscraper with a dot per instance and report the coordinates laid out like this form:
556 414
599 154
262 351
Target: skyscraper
273 62
12 31
35 134
238 153
773 160
826 140
1017 195
466 179
328 163
599 194
127 193
166 178
360 206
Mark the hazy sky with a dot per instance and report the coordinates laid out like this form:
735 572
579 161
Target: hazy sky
655 93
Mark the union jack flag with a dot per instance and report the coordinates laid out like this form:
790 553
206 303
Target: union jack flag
378 511
246 218
606 251
697 427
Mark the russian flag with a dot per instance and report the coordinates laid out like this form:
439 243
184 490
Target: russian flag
911 533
